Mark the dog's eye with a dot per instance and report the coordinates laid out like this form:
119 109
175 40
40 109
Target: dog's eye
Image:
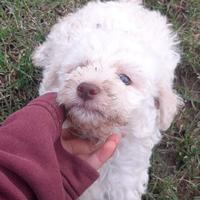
125 79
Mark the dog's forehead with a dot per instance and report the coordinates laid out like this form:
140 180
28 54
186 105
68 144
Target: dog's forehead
109 54
99 49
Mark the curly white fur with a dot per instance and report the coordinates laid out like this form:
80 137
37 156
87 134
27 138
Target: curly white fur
95 45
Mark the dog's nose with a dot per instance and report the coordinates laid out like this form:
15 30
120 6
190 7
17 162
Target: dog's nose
87 91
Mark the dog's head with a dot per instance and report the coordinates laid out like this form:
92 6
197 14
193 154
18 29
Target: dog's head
105 78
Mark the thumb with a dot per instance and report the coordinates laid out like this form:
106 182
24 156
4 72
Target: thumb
98 158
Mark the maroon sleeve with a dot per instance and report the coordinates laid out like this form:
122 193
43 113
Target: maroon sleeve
33 164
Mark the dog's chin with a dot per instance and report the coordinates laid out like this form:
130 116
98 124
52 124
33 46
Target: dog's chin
84 117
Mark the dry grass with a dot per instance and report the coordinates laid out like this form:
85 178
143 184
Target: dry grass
175 174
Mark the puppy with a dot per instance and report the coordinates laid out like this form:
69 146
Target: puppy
112 65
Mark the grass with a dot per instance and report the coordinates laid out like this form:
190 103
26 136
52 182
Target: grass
175 172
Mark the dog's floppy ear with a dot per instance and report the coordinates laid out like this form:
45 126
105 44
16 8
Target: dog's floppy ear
168 104
41 55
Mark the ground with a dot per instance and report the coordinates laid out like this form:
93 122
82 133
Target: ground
175 172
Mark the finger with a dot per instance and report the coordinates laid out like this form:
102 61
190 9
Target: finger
98 158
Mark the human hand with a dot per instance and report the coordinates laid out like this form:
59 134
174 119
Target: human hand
94 155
